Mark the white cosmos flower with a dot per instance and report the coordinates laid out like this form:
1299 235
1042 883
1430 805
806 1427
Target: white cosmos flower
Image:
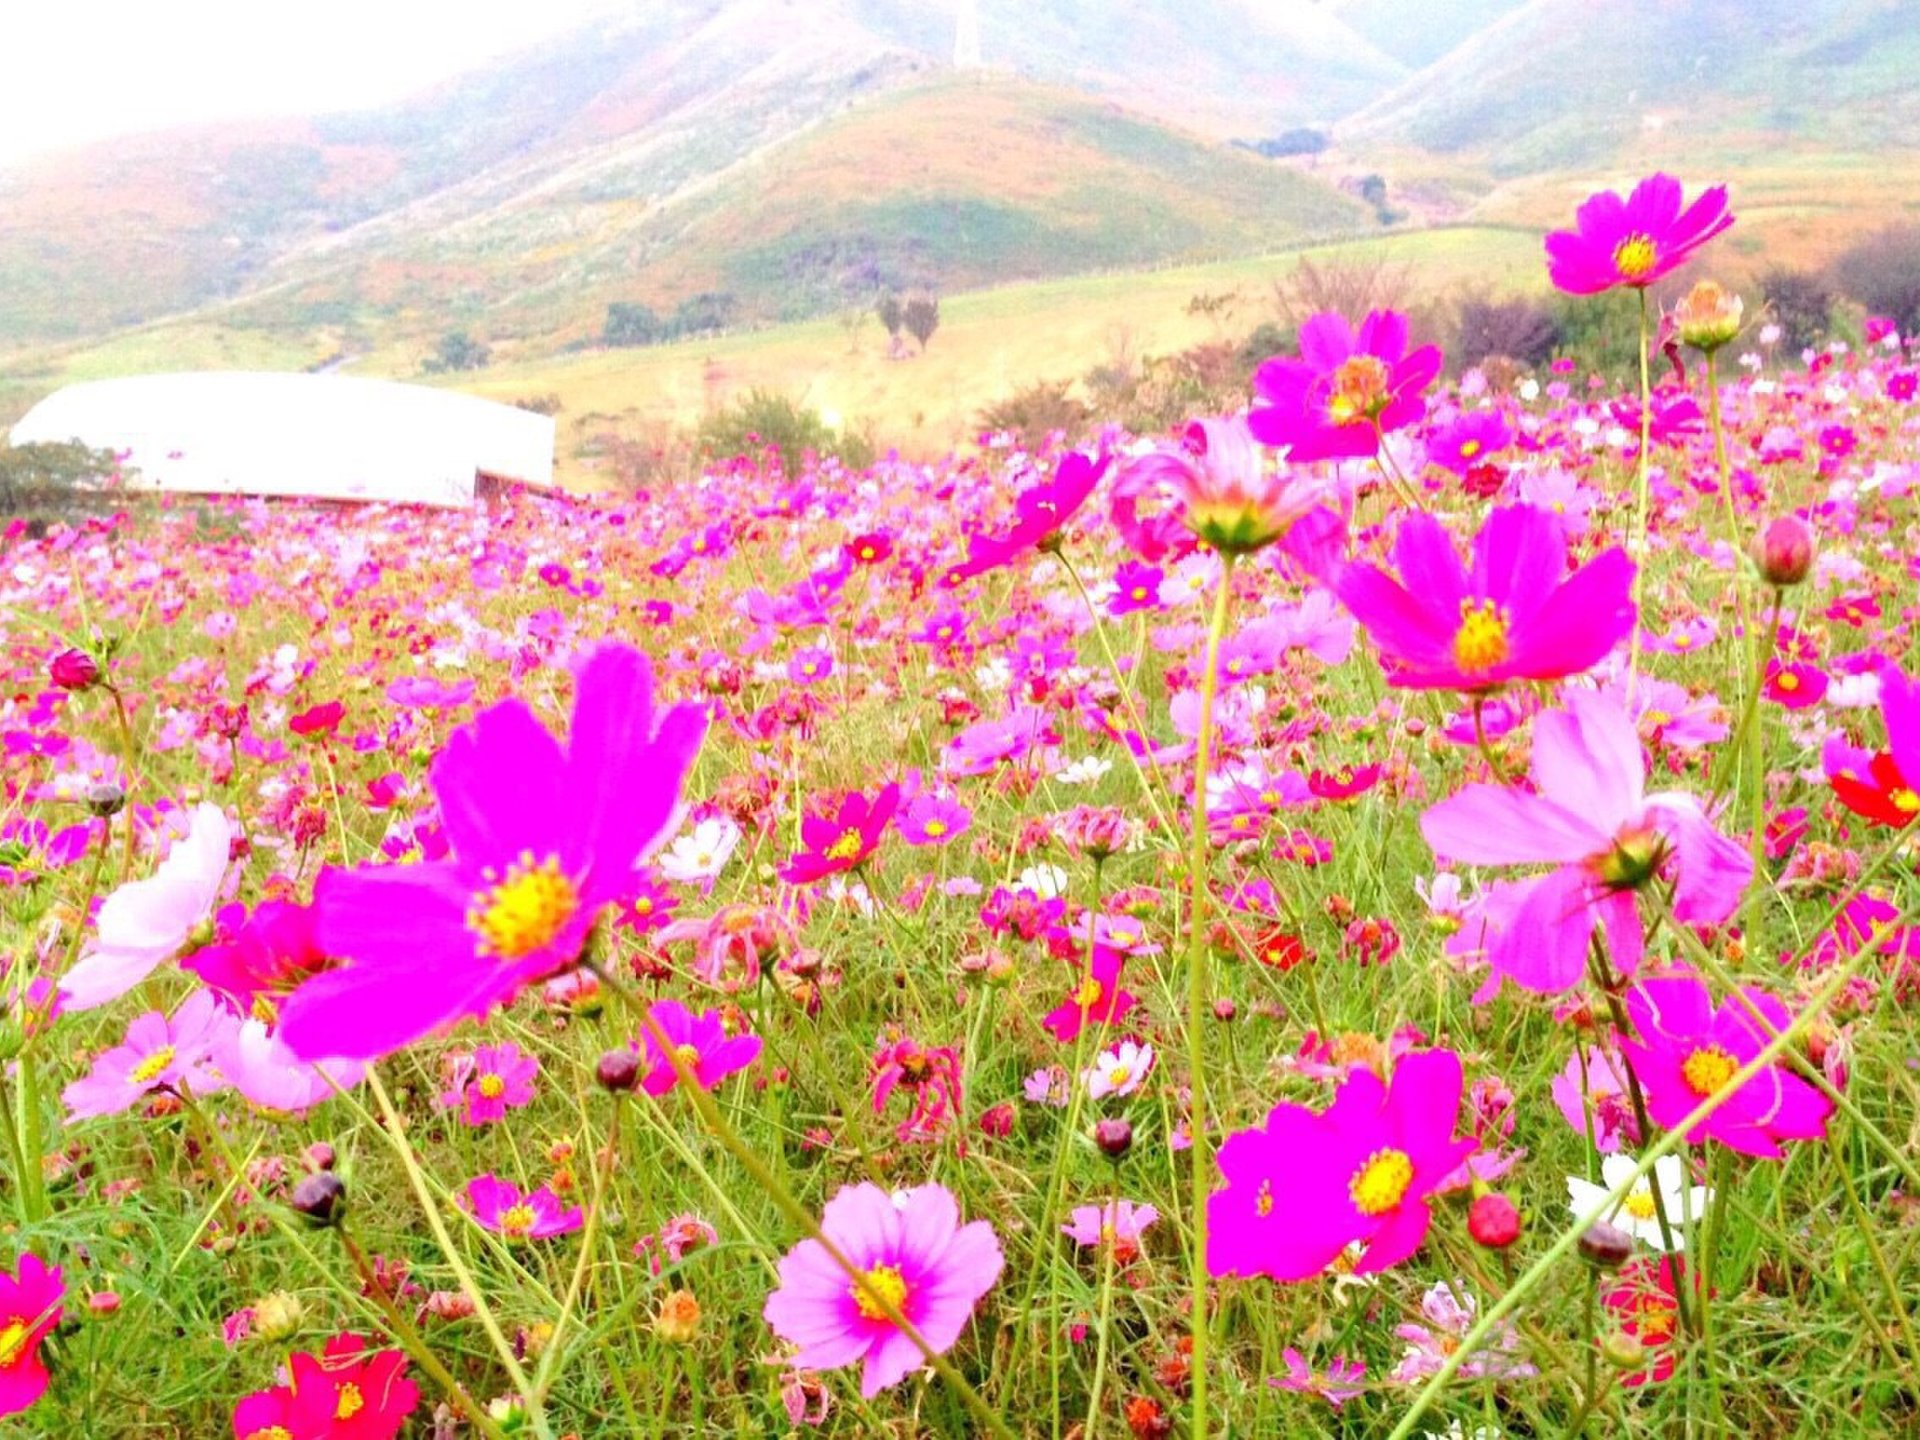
702 852
1084 771
1049 882
1118 1071
1636 1214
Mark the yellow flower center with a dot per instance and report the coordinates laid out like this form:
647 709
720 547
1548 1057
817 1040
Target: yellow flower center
13 1343
1382 1182
352 1402
1708 1069
847 846
491 1086
1906 800
525 910
265 1010
1635 256
1361 387
935 828
878 1288
1089 992
1263 1202
1787 680
687 1055
1481 642
518 1220
1118 1076
1469 449
144 1072
1639 1204
272 1432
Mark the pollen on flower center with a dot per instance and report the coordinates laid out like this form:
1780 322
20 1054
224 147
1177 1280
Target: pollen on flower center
1263 1202
687 1055
148 1068
491 1086
1481 642
1905 800
272 1432
1382 1182
352 1402
1639 1205
524 910
1708 1069
847 847
1635 256
1361 387
1089 992
518 1220
879 1286
13 1341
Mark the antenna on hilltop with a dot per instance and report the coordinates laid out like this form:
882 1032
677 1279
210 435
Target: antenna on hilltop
966 35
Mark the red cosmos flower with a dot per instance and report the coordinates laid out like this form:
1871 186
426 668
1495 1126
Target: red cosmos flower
1347 389
321 719
346 1393
74 669
1098 1000
1645 1302
838 843
1040 516
1344 783
1635 241
267 1415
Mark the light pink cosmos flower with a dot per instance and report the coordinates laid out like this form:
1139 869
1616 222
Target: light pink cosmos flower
147 921
158 1054
1590 815
1120 1223
252 1059
498 1205
913 1253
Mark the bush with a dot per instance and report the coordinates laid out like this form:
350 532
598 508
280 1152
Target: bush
1800 302
1350 285
1882 272
1301 141
48 480
766 420
1520 329
703 314
457 351
1037 411
630 324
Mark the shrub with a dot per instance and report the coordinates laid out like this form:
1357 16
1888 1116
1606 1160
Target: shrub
457 351
1520 329
51 480
1350 285
1800 302
1037 411
630 324
921 317
767 420
1882 272
704 313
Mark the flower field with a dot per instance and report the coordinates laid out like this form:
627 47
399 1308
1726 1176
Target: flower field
1385 914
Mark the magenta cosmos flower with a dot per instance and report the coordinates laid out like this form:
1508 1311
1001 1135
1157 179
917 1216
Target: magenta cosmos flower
1635 241
1304 1186
1226 490
1687 1051
912 1253
1040 517
1515 615
700 1042
498 1205
1590 815
29 1309
497 1079
1347 389
838 842
543 838
348 1392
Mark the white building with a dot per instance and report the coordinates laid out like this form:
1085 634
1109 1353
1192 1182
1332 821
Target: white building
331 437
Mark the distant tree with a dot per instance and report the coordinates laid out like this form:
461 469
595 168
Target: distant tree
458 350
1373 190
704 313
631 324
1519 328
1800 302
1882 272
1302 141
892 313
41 475
921 317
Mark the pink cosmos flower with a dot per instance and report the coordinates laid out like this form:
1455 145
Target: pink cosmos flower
1304 1186
1228 493
349 1393
258 957
933 820
497 1078
543 838
1469 441
255 1062
1341 1383
1516 615
840 842
1589 814
158 1054
1098 1000
148 921
499 1206
912 1253
1345 391
1686 1051
1120 1223
30 1306
264 1415
700 1042
1635 241
1040 517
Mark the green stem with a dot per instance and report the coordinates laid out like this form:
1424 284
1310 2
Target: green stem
1201 1153
1109 1264
1639 539
602 1174
1864 1223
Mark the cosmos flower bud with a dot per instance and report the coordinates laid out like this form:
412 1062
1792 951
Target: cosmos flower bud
1493 1221
1624 1351
997 1121
74 669
618 1071
1606 1246
1709 317
320 1156
277 1316
1783 552
678 1319
105 799
1114 1137
321 1198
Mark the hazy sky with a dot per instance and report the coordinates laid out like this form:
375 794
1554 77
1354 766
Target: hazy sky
81 70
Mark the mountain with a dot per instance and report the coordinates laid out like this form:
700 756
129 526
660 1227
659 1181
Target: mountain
1557 84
